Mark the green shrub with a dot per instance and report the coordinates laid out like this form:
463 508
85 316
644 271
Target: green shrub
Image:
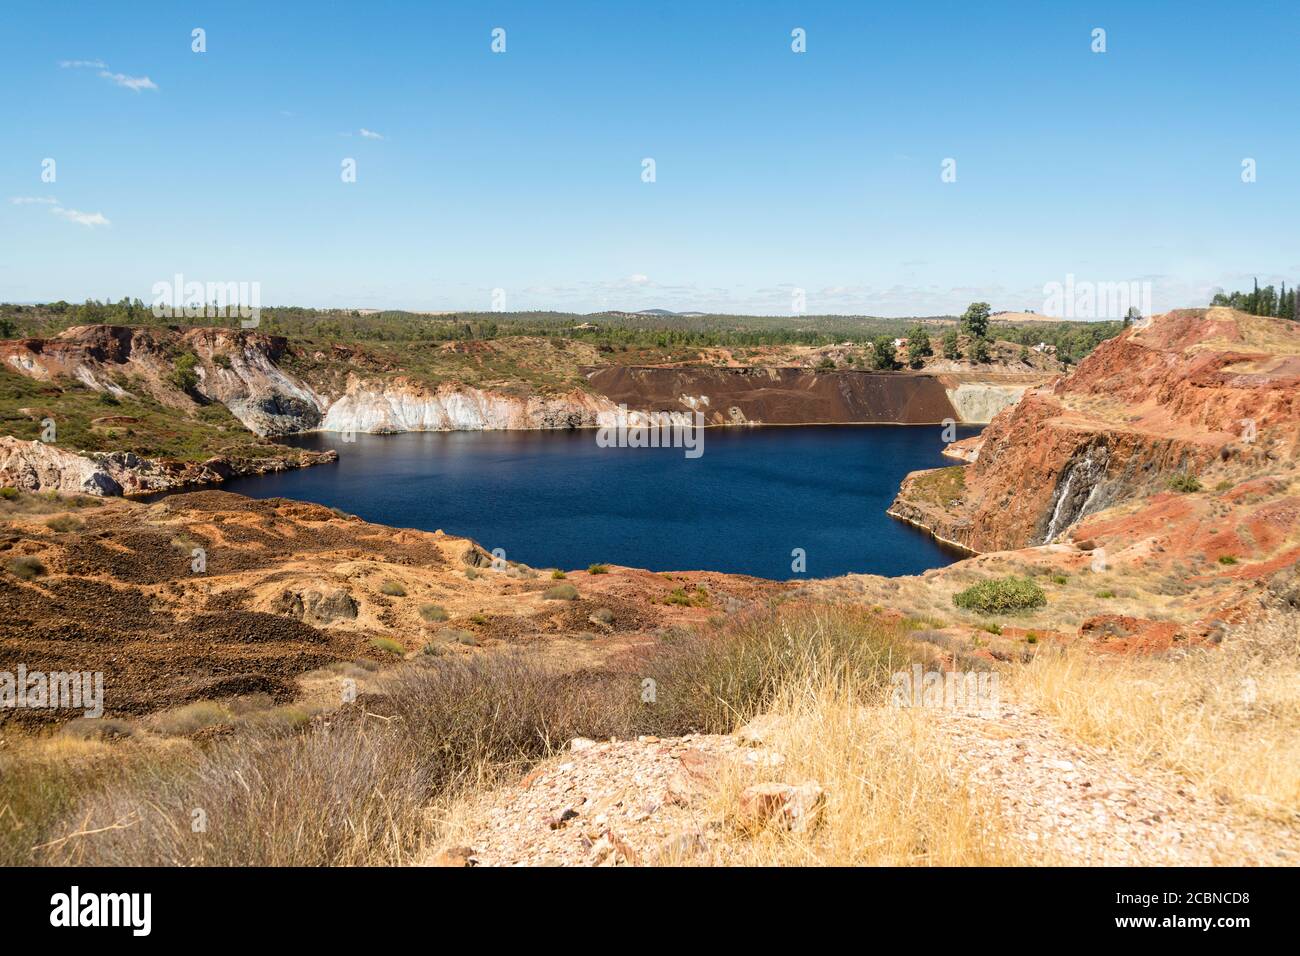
561 592
26 567
393 589
697 598
183 375
387 645
1227 559
1106 594
1185 482
598 569
1059 579
433 612
1001 596
1031 638
64 523
558 575
9 494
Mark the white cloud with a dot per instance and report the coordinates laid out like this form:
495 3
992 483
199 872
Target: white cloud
30 200
370 134
638 279
133 83
84 218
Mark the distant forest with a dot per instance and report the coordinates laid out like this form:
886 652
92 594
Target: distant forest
1073 340
1265 301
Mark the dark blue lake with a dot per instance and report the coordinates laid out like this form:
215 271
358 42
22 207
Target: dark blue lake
556 499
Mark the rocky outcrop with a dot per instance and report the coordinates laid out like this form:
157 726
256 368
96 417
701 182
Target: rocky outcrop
238 368
1172 397
37 466
317 606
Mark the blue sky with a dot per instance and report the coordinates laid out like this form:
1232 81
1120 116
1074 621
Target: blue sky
774 170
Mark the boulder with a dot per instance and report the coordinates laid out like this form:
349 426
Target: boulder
317 606
791 807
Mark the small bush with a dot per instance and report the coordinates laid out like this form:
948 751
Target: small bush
454 635
387 645
1001 596
1106 594
598 569
478 617
393 589
1031 638
1059 579
1185 482
9 494
604 615
64 523
558 575
1223 485
189 719
183 375
26 567
1227 559
561 592
471 573
433 612
697 598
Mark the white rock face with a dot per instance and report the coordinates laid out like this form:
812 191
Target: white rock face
36 466
398 408
977 403
266 399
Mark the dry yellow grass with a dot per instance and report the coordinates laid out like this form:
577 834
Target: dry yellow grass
1225 718
894 795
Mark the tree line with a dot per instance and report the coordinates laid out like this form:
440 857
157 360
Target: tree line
1279 303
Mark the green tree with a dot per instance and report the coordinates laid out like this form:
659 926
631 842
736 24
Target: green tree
918 345
951 348
183 375
975 321
978 350
882 352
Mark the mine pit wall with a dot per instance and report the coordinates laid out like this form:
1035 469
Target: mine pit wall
1036 476
782 396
